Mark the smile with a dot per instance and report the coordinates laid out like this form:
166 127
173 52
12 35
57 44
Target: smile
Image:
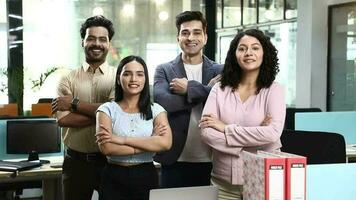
134 85
249 60
192 44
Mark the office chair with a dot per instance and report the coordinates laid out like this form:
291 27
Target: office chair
45 100
10 109
290 116
318 147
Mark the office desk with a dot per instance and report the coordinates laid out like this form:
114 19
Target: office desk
51 179
331 181
350 152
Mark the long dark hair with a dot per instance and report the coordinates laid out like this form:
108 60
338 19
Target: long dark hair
144 102
232 72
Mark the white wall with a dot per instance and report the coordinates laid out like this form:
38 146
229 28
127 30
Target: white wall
312 43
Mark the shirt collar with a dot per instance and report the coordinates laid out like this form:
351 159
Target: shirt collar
103 68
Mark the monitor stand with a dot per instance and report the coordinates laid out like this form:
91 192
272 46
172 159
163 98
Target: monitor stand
33 156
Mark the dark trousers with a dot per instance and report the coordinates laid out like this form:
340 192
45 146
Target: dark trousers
186 174
129 183
80 178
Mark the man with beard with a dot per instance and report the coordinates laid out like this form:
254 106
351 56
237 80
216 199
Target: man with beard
182 86
80 94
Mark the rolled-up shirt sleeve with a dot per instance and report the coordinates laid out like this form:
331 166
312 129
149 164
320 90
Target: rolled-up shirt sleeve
63 89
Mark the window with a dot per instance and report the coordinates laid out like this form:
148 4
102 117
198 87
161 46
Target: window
3 53
270 10
283 36
249 12
232 13
276 19
52 43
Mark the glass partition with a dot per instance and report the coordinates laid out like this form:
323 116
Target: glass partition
270 10
249 12
232 13
3 53
291 9
52 43
283 36
342 58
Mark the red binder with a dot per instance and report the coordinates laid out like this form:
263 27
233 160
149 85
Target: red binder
264 176
295 175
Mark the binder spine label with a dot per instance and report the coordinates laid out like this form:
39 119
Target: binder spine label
297 184
276 182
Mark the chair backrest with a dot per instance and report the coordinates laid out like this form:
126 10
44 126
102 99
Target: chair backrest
10 109
318 147
289 123
45 100
41 109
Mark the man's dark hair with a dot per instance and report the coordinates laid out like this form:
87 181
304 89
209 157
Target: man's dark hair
97 20
187 16
232 72
144 103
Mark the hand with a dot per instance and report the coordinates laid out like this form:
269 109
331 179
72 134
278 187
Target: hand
61 103
179 85
267 121
210 121
104 136
159 130
214 80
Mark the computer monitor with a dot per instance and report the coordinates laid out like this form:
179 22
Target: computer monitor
33 136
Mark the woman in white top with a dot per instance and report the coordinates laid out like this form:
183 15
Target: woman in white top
129 132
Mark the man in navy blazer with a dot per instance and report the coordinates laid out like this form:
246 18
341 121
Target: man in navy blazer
182 86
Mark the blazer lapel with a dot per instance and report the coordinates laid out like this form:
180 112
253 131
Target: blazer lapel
178 67
208 71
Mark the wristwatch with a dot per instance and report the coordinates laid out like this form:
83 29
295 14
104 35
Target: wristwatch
74 104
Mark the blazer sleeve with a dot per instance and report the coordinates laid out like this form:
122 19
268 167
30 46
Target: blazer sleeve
216 139
198 92
239 136
162 94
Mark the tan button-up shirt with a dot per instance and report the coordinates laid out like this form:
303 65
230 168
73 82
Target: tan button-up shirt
91 86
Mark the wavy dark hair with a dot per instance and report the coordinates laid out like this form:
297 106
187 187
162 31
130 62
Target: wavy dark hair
232 72
97 20
144 102
187 16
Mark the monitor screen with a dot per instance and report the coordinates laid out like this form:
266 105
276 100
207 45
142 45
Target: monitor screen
33 136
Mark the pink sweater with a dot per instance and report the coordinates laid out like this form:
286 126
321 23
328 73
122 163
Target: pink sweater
243 130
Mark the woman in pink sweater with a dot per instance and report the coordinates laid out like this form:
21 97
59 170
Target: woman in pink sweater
245 111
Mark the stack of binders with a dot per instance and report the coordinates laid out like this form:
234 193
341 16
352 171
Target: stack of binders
274 176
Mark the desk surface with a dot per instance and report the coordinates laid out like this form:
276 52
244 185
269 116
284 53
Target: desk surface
331 181
351 150
43 172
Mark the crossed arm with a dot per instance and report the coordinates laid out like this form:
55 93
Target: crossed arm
83 116
184 93
112 144
231 138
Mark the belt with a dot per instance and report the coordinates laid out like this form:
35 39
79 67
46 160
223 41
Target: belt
123 164
87 157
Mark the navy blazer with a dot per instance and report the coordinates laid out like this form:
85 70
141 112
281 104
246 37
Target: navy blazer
178 107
